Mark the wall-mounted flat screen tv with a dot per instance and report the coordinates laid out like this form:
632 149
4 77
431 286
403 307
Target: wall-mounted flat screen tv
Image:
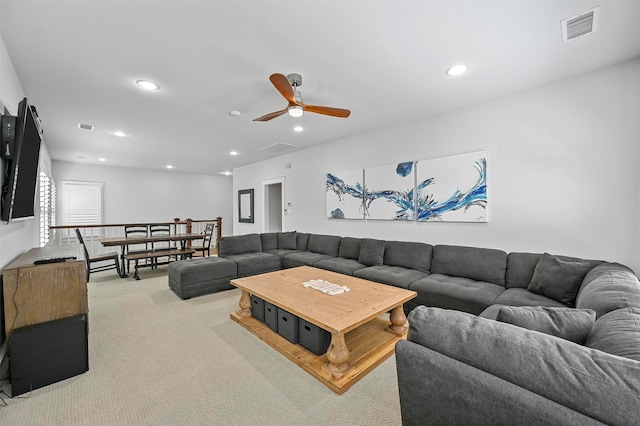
21 170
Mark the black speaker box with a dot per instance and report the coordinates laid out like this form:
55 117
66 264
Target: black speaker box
46 353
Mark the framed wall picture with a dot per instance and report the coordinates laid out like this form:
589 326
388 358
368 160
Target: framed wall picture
245 205
453 188
344 195
389 192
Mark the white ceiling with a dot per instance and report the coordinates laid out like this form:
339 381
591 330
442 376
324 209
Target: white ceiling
384 60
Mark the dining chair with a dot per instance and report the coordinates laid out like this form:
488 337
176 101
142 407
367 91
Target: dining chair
102 257
206 241
135 231
157 230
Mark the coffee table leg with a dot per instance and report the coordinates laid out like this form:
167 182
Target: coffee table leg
398 319
338 356
245 304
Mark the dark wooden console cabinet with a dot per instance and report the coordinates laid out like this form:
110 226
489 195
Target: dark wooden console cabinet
34 294
45 314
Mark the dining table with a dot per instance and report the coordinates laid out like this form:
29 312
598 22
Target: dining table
124 241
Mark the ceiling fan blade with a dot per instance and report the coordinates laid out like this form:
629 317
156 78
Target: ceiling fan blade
334 112
282 84
271 115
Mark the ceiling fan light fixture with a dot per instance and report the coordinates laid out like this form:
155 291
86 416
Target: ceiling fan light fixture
296 111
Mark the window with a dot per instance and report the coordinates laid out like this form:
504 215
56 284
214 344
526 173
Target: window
47 207
81 203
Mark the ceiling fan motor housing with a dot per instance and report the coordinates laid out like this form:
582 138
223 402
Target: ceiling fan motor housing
295 79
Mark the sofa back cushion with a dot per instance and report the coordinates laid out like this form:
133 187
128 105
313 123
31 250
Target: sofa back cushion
238 244
269 241
520 267
571 324
371 252
608 287
349 248
408 254
480 264
324 244
557 279
287 240
302 241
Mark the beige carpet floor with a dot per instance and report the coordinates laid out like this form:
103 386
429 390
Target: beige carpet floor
157 360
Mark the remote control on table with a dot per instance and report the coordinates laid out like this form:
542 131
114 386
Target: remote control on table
53 260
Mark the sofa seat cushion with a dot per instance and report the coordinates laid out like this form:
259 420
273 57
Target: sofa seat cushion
255 263
340 265
523 297
282 252
609 287
462 294
393 275
480 264
567 323
617 333
303 258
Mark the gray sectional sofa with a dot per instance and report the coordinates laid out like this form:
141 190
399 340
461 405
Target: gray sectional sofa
494 337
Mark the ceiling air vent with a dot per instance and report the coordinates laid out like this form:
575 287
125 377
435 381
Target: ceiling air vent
279 147
580 25
85 126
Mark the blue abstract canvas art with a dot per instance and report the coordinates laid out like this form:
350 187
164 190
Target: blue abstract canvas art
389 192
344 195
453 189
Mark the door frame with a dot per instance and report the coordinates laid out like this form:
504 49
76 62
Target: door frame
265 198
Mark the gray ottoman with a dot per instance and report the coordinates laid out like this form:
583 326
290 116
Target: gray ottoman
195 277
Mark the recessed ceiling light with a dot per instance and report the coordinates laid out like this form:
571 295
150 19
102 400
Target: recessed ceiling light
227 173
298 129
102 159
235 113
457 70
169 166
119 133
147 85
233 153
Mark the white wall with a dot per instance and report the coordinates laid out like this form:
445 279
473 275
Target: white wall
563 172
137 195
16 237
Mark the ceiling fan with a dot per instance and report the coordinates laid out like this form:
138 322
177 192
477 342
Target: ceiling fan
288 87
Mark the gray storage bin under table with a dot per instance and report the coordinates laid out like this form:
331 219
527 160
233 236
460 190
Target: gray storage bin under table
257 308
271 316
313 338
288 325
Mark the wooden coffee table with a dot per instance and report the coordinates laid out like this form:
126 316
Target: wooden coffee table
361 338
